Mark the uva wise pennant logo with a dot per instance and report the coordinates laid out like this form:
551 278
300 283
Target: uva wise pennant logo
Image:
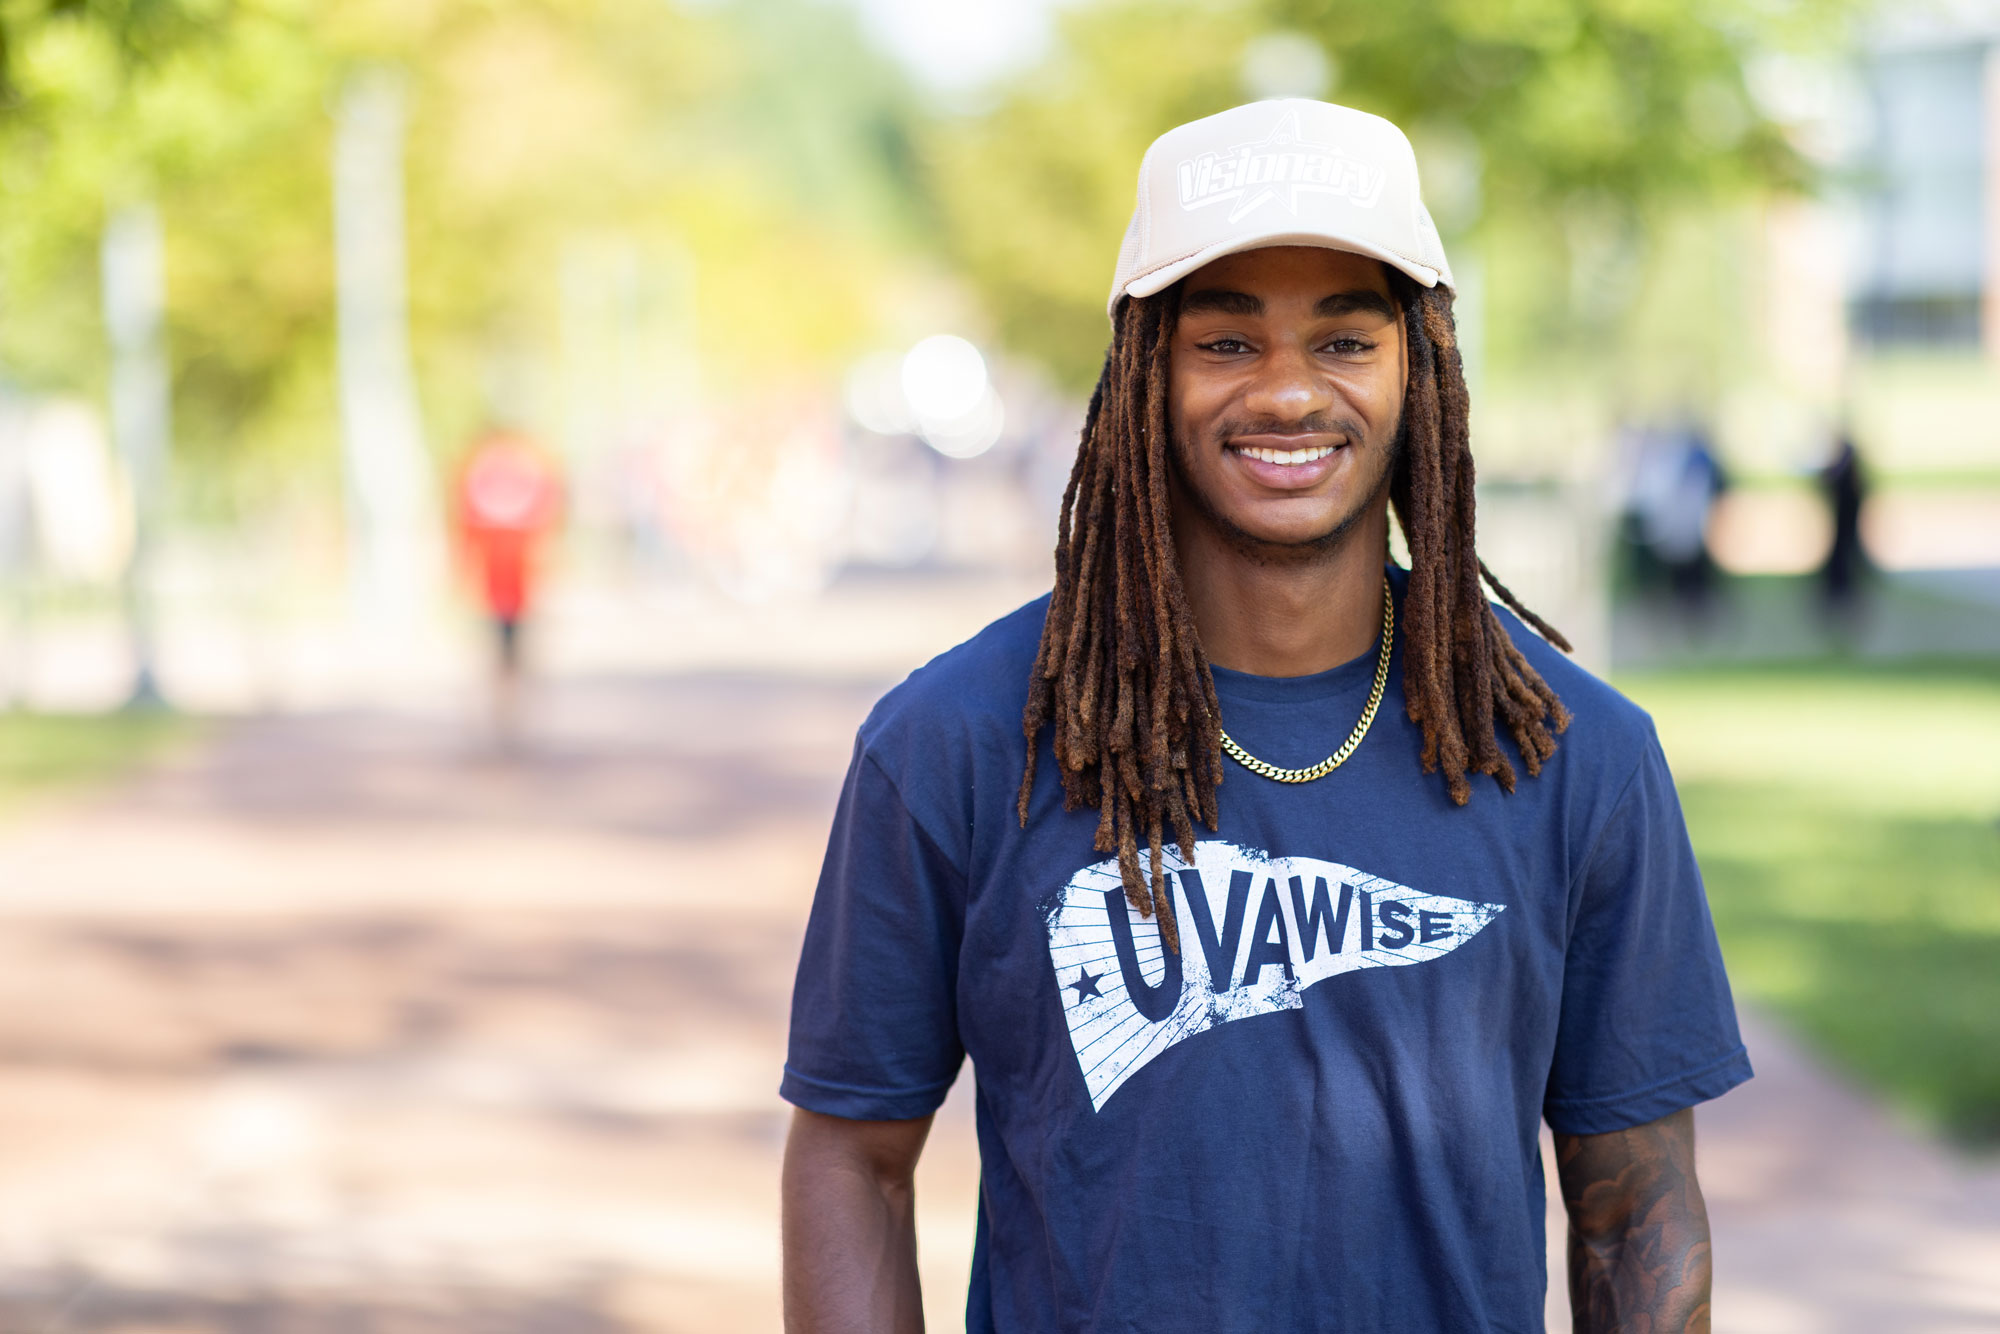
1255 932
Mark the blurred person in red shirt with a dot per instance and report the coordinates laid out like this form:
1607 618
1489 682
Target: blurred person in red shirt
507 500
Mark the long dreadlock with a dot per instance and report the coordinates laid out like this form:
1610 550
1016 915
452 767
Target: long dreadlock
1121 673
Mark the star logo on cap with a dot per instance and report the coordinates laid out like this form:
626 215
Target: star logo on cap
1284 136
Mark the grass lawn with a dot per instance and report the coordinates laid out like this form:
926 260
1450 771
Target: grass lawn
1847 816
42 752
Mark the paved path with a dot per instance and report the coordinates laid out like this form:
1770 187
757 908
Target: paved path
1832 1219
341 1023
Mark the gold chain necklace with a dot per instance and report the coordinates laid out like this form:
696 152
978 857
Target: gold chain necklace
1339 757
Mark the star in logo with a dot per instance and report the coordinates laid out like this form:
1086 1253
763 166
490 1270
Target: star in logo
1284 136
1086 983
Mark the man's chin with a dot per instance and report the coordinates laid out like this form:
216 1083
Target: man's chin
1290 541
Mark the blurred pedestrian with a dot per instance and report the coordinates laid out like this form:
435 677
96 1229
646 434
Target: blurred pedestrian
1844 483
507 501
1263 1043
1675 487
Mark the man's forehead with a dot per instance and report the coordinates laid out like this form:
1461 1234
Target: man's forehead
1334 282
1292 268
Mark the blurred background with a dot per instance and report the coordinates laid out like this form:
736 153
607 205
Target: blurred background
467 466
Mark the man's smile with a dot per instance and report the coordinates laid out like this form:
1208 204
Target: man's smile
1287 462
1287 458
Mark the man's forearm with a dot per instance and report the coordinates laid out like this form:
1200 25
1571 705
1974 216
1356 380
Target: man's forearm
1639 1260
850 1232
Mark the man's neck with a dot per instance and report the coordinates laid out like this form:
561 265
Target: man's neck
1287 614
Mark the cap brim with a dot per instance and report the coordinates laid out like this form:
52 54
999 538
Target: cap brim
1158 280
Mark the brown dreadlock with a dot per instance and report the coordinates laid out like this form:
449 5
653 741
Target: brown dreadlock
1120 670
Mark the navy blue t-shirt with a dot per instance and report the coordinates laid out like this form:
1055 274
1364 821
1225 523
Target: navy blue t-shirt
1321 1113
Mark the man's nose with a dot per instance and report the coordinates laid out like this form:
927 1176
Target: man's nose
1289 386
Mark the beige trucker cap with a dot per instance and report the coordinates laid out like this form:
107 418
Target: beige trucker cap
1284 172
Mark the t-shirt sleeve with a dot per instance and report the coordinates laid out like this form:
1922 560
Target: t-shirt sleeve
1647 1025
874 1014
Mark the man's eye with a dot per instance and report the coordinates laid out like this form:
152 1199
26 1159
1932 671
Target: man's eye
1350 346
1226 346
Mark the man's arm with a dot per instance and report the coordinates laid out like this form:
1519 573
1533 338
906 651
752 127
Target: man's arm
1638 1230
850 1225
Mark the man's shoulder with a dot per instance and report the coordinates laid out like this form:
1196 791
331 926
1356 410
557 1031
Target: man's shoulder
963 692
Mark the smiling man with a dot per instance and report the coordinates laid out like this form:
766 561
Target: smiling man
1247 867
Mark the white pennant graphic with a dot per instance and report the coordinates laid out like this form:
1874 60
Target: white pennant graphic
1255 931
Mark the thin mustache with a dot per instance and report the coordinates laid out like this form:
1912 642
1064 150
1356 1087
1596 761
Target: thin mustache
1304 426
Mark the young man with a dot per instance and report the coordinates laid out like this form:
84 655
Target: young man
1262 1041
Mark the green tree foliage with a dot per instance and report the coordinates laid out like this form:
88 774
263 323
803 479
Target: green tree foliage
141 30
1624 99
759 145
1548 123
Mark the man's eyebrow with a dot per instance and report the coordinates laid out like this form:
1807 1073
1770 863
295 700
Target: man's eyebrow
1356 302
1223 300
1229 302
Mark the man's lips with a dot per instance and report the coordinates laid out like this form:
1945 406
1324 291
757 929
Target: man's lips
1287 462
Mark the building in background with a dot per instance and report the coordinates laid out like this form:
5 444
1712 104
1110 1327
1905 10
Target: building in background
1926 260
1880 304
1923 290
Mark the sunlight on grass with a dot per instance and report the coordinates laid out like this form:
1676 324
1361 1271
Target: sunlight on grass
42 753
1848 823
1924 740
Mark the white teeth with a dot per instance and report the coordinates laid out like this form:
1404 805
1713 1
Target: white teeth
1288 458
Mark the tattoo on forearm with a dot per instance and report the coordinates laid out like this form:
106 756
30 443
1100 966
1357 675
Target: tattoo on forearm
1639 1259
